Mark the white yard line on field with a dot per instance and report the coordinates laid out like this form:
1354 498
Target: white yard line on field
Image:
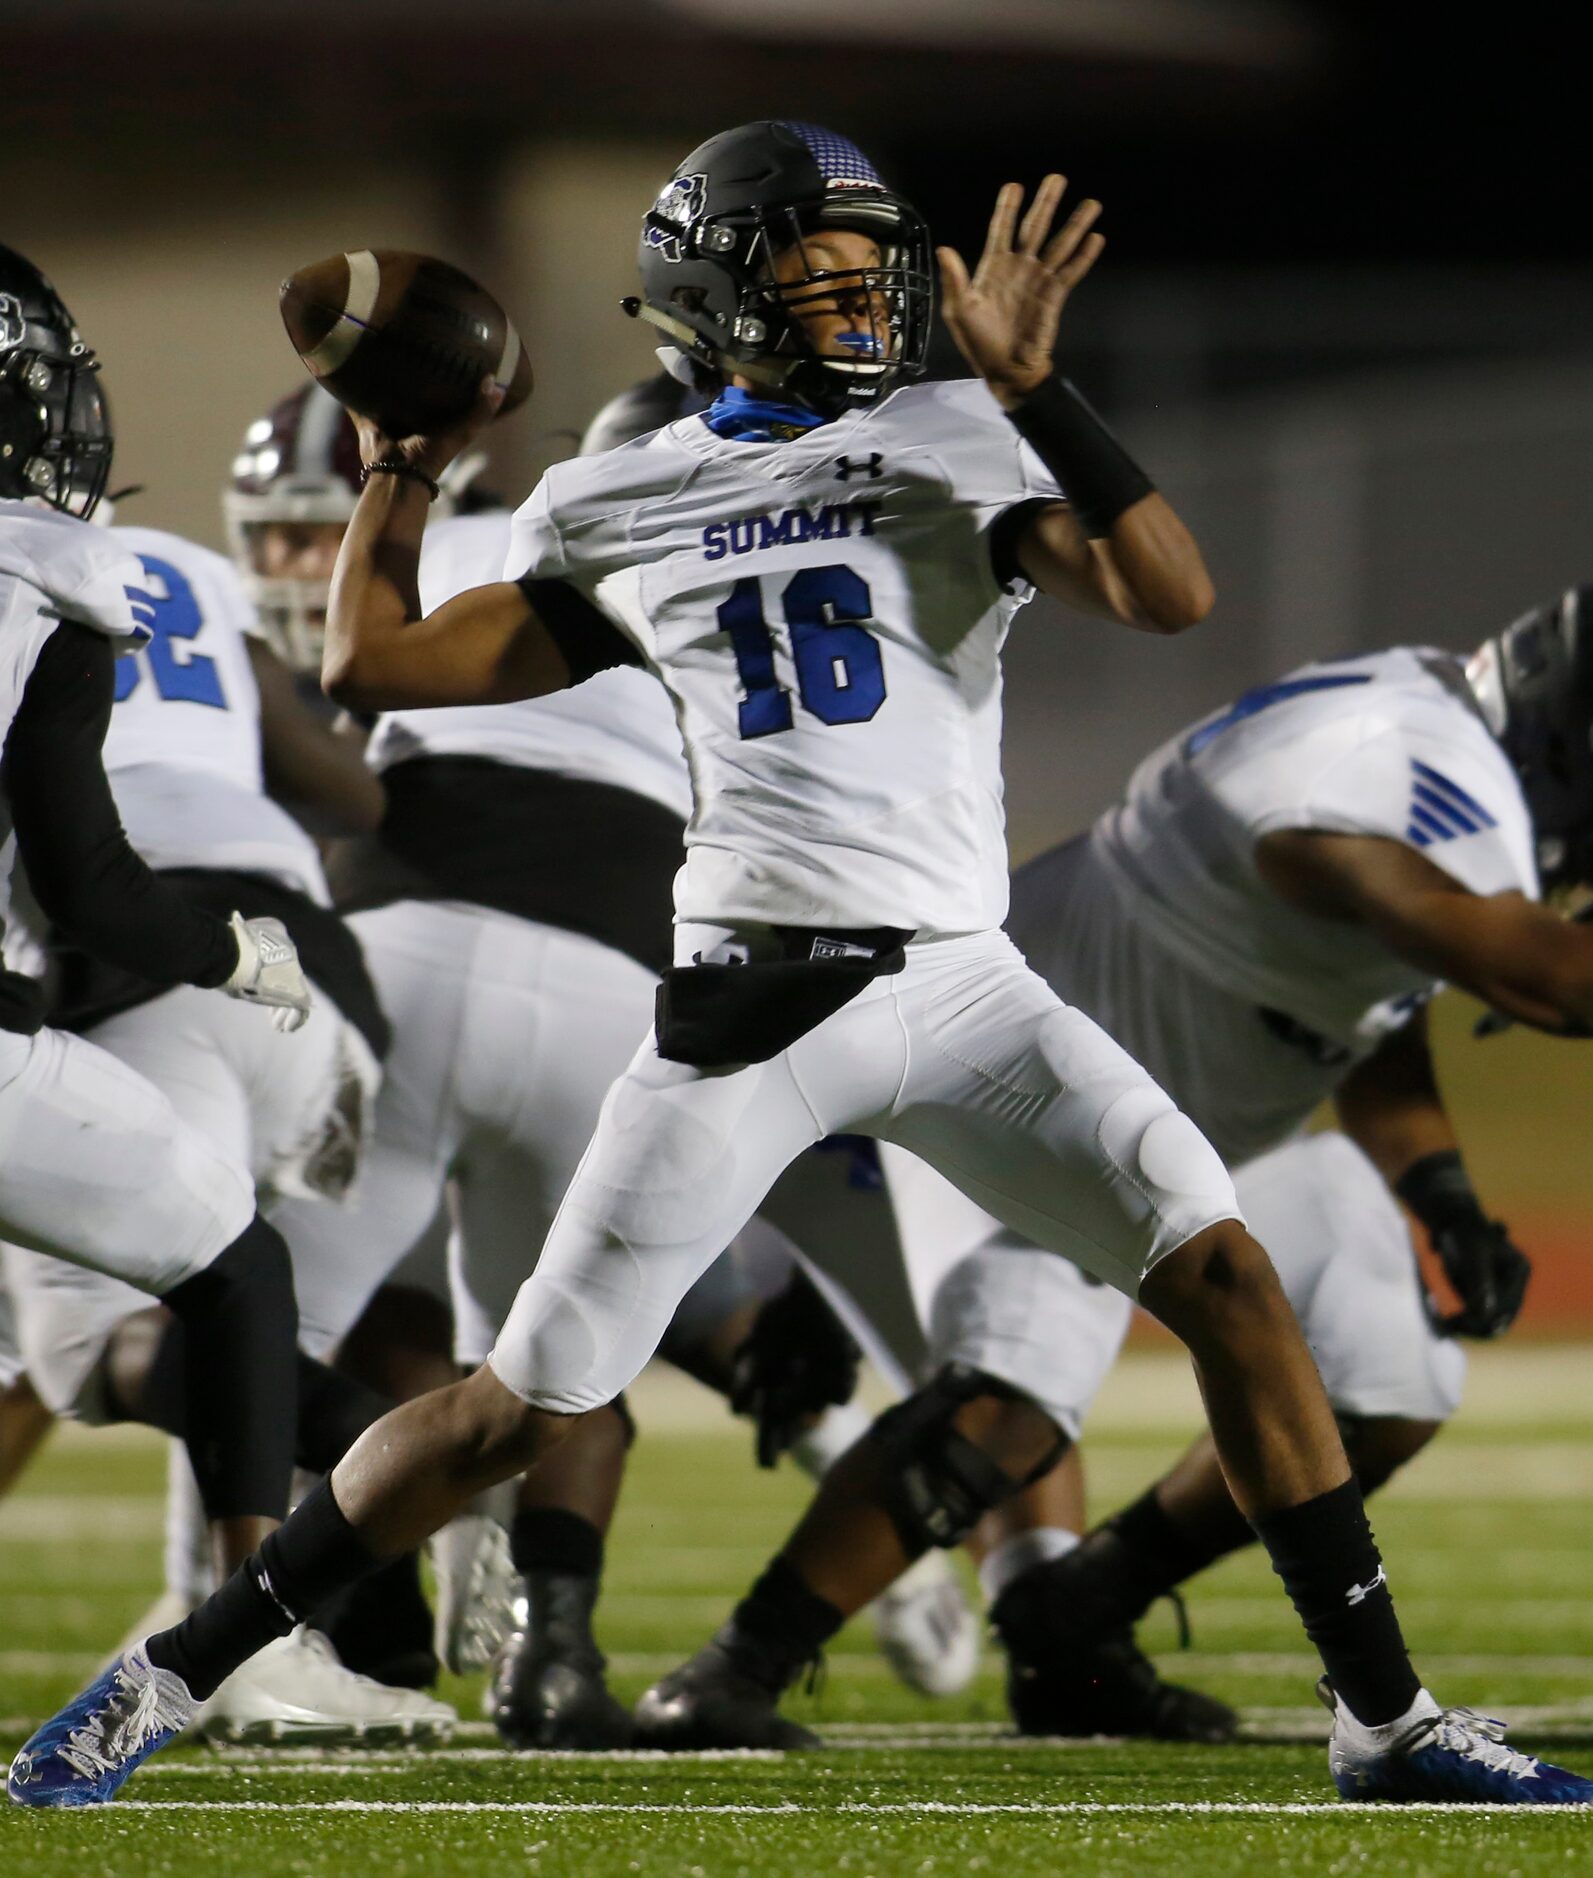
867 1809
1276 1727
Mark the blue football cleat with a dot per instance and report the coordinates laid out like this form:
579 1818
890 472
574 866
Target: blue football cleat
81 1756
1452 1755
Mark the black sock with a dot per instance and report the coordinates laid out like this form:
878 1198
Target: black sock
549 1539
297 1569
1329 1563
780 1626
1153 1553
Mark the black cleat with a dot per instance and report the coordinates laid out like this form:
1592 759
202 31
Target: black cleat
1073 1667
719 1700
547 1688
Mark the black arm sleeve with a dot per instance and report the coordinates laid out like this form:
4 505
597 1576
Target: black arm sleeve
1008 530
86 878
588 639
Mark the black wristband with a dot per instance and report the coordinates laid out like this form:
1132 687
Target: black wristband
396 466
1438 1190
1098 476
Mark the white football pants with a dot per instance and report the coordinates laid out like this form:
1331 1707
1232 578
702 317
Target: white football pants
965 1058
187 1101
1323 1212
506 1035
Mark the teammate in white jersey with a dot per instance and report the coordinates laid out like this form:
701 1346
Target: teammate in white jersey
1264 919
95 1165
1163 925
839 964
185 759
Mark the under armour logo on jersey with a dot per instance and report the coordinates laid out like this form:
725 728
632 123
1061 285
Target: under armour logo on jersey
1440 810
1358 1594
871 465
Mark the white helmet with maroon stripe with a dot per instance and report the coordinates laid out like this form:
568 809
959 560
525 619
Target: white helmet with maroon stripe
293 489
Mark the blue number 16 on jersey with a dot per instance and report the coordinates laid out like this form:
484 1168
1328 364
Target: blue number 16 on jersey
172 615
840 676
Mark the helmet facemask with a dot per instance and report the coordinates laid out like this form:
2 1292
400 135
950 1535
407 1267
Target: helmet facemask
57 430
771 343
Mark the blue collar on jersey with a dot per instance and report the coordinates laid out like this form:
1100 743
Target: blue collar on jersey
738 415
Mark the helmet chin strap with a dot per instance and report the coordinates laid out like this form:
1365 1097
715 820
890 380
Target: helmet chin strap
766 374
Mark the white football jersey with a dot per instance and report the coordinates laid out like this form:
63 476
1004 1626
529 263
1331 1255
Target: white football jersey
617 728
52 567
1388 744
825 615
183 750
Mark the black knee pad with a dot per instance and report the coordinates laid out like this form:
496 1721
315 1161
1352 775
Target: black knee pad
941 1484
334 1411
252 1278
239 1382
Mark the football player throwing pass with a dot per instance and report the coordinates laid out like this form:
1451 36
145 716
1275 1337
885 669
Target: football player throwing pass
821 571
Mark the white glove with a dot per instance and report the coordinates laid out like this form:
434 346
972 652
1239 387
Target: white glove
268 971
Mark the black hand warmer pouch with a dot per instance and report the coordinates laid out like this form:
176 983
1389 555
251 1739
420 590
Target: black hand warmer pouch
21 1004
720 1016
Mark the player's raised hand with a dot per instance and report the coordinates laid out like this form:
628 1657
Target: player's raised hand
432 454
1004 317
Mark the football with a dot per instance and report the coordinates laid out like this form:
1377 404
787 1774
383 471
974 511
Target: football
402 338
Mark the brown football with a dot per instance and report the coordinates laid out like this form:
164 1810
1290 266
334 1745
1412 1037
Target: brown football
402 338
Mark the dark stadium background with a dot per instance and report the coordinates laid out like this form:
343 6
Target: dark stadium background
1344 312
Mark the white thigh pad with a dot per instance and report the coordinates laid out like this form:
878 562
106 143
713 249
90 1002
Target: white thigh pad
1343 1252
1033 1320
1035 1113
97 1167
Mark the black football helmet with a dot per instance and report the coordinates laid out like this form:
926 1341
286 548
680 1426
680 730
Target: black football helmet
55 426
1534 684
707 247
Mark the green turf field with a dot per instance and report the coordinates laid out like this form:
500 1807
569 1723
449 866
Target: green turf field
1488 1543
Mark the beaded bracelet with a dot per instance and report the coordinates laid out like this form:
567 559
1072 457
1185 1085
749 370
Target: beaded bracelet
396 466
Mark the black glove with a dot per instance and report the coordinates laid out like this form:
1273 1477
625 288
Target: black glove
1488 1272
796 1360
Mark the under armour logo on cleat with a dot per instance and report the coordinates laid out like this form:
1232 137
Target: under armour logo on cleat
871 466
1358 1594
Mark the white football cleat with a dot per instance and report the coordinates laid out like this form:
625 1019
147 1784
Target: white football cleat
925 1630
295 1691
476 1589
